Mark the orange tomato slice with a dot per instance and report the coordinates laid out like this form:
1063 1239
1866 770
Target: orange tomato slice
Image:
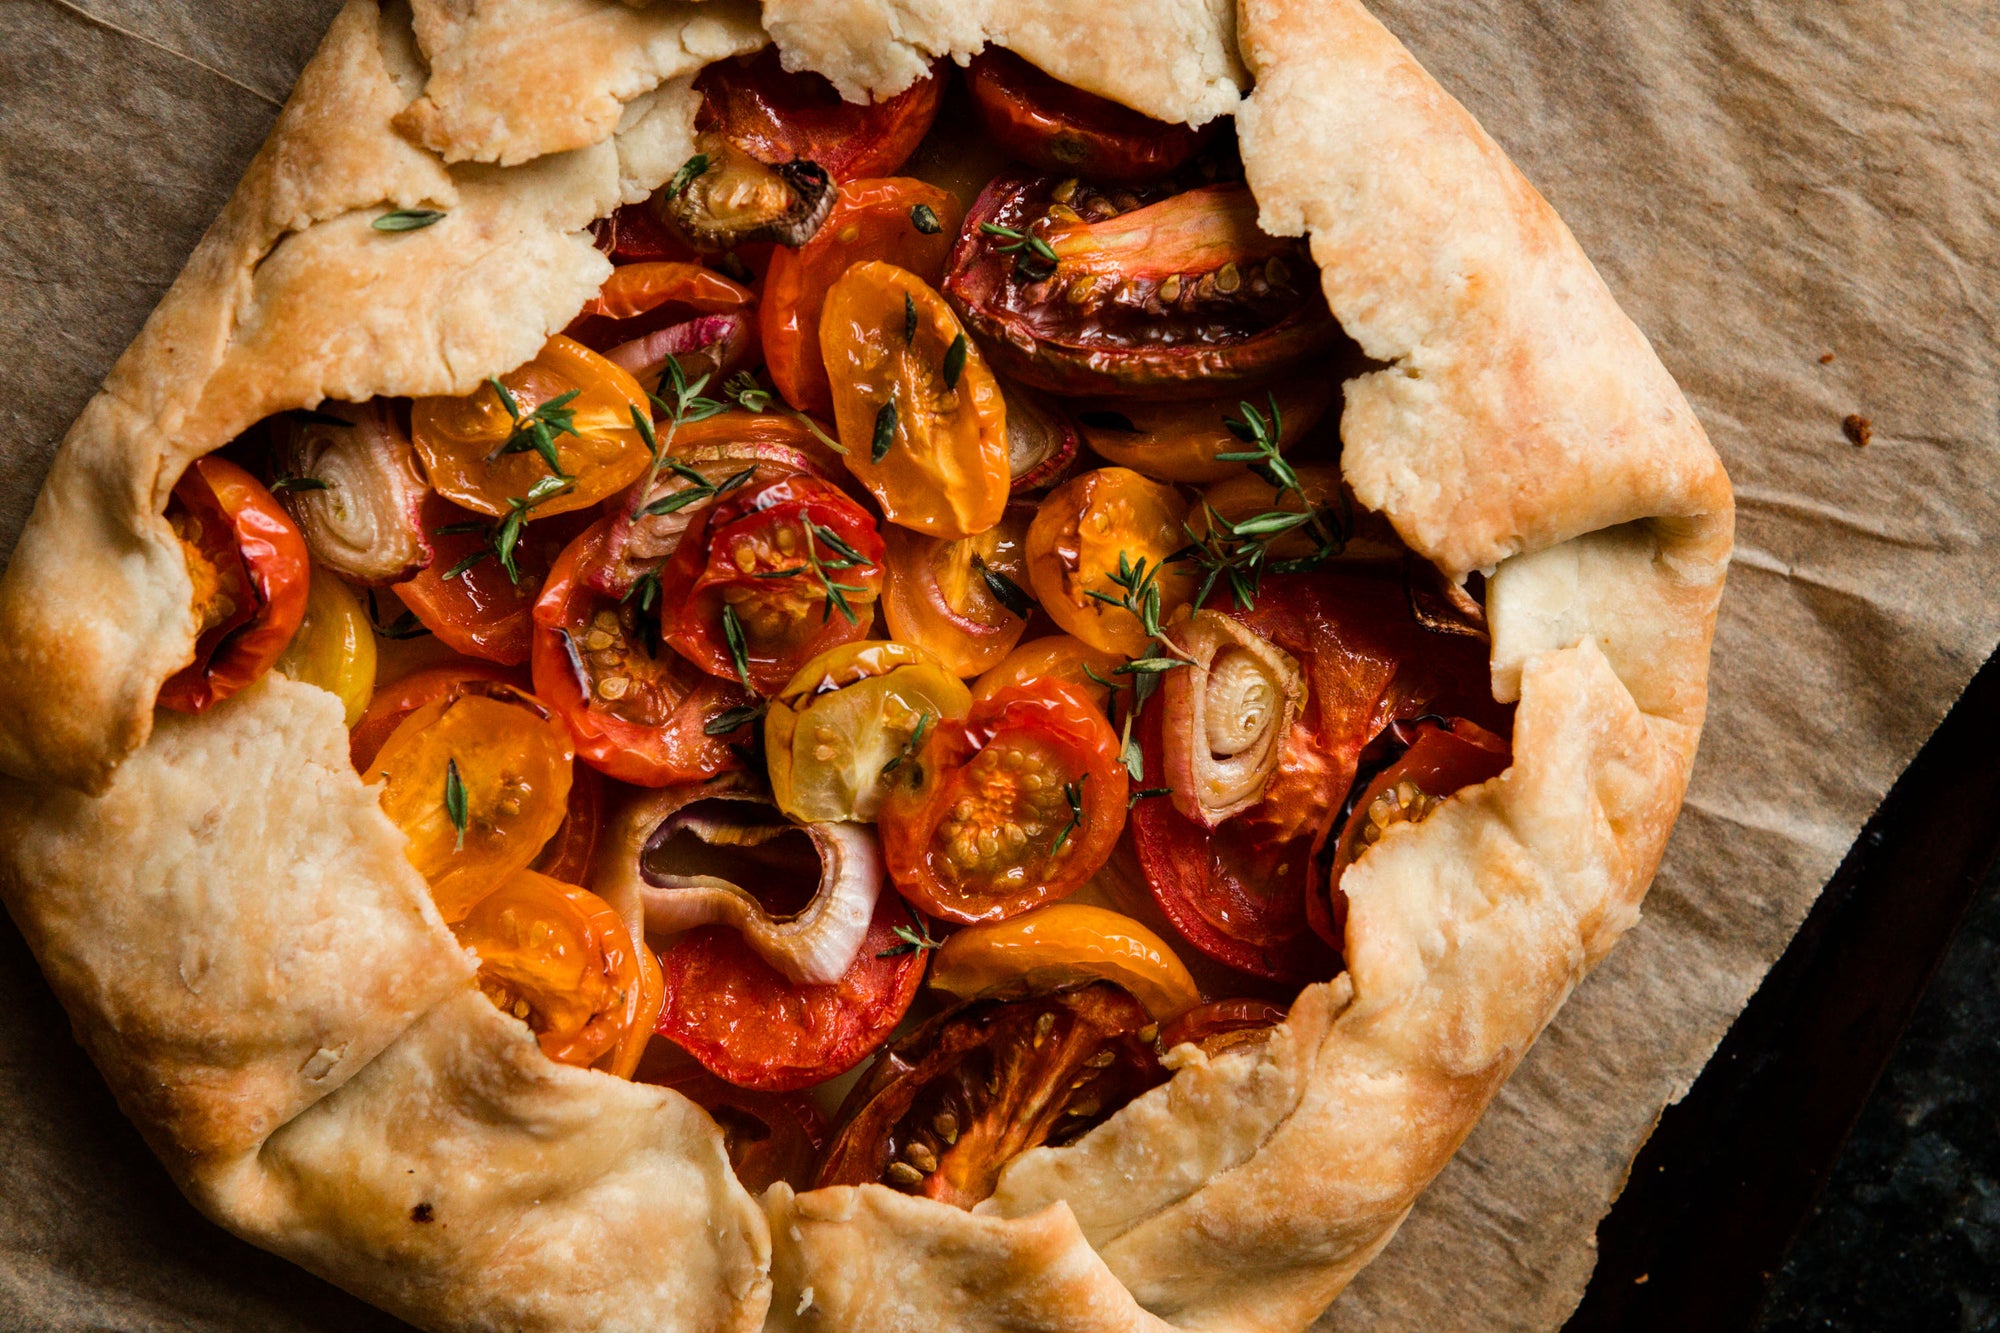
1064 944
1107 534
601 451
1062 657
945 595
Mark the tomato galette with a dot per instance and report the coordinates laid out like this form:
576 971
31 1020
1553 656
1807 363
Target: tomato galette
943 674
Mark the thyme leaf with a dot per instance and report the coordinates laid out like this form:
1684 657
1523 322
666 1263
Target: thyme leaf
732 633
285 482
925 219
732 719
914 743
406 219
1073 793
885 431
454 801
954 361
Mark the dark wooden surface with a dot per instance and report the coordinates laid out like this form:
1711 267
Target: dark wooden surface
1733 1171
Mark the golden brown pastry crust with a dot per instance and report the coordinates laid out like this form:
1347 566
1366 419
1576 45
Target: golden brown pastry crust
261 976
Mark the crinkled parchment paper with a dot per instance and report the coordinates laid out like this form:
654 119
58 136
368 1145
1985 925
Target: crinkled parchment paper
1797 202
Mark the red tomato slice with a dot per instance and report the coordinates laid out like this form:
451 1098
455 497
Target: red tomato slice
748 1025
1014 806
645 312
769 1136
871 219
394 702
1055 127
1222 1025
777 116
637 713
249 568
480 611
748 572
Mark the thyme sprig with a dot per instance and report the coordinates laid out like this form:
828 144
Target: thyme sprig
1034 258
698 488
885 431
912 940
408 219
911 745
731 719
1005 591
285 481
504 535
685 405
538 429
925 219
843 557
1073 793
754 397
454 801
739 652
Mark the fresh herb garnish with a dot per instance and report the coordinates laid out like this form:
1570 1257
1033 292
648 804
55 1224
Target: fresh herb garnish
406 219
925 219
732 634
691 171
686 405
1141 592
909 319
1073 793
1034 258
504 535
754 397
285 482
843 557
954 361
538 429
885 431
912 942
911 745
732 719
454 801
1143 792
1005 591
698 486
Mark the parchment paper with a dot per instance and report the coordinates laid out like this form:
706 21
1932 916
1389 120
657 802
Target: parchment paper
1797 203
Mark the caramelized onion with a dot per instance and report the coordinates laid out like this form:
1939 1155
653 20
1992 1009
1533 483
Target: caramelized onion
363 522
1041 440
1226 713
733 199
714 345
689 853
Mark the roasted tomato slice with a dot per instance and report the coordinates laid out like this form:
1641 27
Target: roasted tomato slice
1015 806
747 1024
920 414
637 712
571 853
778 116
397 700
891 220
334 647
769 1136
1052 126
1181 441
558 958
645 313
1064 944
479 780
1223 1025
485 450
1063 657
634 234
1180 298
1099 546
467 596
964 600
249 568
769 578
1443 756
949 1105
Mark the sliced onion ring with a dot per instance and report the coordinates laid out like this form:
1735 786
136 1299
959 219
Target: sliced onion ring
364 522
666 845
714 345
1226 713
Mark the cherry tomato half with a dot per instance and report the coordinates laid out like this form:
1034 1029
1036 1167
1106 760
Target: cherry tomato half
637 712
249 568
466 597
479 780
483 455
1064 657
950 1104
871 220
769 578
778 116
559 958
1107 534
748 1025
1181 441
769 1136
1064 944
1015 806
1223 1025
334 648
958 598
1054 127
397 700
646 312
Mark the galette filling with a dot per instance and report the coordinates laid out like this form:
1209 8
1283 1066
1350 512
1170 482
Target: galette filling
904 659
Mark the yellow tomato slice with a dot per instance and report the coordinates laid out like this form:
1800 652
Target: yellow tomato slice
1107 534
847 715
479 780
600 448
909 385
1065 944
941 592
334 647
560 959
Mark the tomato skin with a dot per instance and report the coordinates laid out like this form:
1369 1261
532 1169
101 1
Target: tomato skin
937 598
1074 546
396 701
646 310
334 647
1223 1025
926 843
570 852
769 1136
1055 127
647 754
634 234
746 1024
260 560
1062 657
482 612
729 544
870 221
777 116
1062 945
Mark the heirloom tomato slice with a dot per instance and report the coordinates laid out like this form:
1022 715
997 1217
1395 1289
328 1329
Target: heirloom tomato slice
769 1136
1053 126
645 313
747 1024
1064 944
334 647
637 712
891 220
1071 291
921 416
479 781
558 958
964 600
467 597
484 450
1099 547
778 116
1063 657
1013 807
769 578
949 1105
249 569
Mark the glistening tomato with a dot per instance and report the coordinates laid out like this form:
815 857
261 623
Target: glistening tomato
1064 657
888 220
645 313
397 700
637 712
747 1024
1015 806
1181 441
333 648
1055 127
1223 1025
248 566
964 600
779 116
1099 547
467 596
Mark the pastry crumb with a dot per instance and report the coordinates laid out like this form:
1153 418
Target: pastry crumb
1858 429
805 1301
